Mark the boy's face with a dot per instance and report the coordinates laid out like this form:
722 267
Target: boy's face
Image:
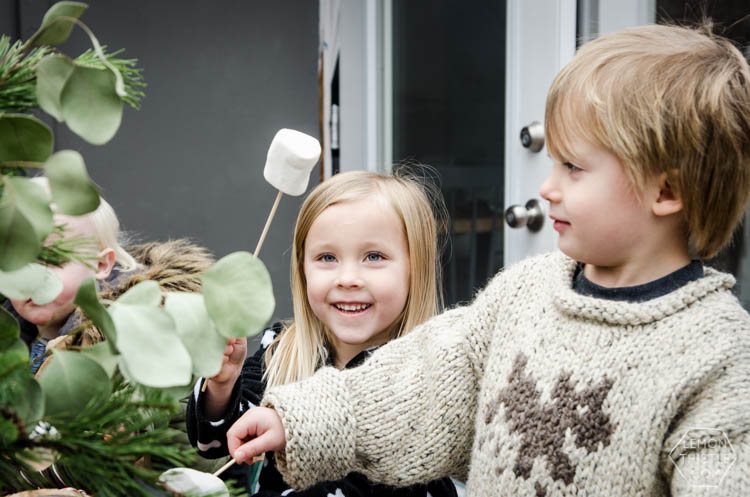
600 219
53 314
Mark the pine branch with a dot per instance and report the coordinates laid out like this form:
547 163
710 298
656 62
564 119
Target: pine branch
132 76
117 448
64 249
18 74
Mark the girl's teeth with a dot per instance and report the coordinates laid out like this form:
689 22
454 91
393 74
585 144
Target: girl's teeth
352 307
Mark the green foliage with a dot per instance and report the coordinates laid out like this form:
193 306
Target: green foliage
196 330
57 23
25 221
72 191
24 140
18 75
62 383
113 448
90 104
31 281
108 404
238 295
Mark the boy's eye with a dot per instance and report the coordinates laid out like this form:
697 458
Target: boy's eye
373 257
572 167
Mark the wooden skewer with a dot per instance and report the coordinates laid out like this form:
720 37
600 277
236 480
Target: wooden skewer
260 244
229 464
224 468
268 223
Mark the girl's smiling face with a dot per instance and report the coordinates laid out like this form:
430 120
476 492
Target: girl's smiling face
357 270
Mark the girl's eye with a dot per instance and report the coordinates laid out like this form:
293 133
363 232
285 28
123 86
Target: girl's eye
373 257
571 167
327 258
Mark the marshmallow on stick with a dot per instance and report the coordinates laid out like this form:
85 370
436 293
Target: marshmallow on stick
186 481
291 157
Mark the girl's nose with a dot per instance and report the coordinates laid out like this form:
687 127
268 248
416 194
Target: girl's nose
348 277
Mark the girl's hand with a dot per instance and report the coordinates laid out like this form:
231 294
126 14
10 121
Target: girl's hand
231 363
219 388
258 431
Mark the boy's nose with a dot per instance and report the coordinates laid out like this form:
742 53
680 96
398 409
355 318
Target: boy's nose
549 190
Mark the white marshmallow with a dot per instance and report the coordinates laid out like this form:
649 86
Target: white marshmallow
291 157
188 481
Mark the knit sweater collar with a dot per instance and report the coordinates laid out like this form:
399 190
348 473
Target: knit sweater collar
569 302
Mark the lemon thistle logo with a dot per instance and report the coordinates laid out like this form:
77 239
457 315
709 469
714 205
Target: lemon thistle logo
703 456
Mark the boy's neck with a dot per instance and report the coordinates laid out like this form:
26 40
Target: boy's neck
49 331
636 272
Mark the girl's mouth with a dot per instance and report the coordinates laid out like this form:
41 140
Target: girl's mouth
352 308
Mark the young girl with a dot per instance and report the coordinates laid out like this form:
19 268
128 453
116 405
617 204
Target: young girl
364 271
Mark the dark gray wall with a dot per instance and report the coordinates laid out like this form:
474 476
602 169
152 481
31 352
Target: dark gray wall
223 77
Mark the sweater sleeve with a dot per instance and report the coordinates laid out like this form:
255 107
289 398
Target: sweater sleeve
405 416
707 453
210 437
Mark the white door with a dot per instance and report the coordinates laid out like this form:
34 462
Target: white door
452 83
541 39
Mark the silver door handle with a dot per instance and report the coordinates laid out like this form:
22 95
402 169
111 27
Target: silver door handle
531 215
532 136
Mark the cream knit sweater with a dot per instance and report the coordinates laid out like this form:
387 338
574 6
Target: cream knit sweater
535 390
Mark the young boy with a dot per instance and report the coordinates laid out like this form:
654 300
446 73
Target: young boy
42 323
618 367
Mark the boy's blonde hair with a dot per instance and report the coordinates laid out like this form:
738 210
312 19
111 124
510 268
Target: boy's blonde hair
664 99
304 346
105 227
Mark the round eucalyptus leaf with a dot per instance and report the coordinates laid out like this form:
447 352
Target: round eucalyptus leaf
72 190
102 354
70 381
144 293
88 300
29 200
151 349
15 356
238 295
52 72
55 29
34 281
90 104
25 395
13 351
19 244
197 332
9 330
24 138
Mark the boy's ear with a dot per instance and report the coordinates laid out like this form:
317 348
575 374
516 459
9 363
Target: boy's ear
668 200
105 263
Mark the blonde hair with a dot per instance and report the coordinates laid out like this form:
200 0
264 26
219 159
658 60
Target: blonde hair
105 227
664 99
304 346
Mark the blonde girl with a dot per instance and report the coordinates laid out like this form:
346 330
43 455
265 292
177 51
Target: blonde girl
364 270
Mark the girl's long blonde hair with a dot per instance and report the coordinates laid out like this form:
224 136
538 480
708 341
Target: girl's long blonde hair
304 346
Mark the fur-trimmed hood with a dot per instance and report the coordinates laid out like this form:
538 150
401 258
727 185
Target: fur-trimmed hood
176 265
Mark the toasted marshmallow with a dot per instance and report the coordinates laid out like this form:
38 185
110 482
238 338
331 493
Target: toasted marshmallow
291 157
